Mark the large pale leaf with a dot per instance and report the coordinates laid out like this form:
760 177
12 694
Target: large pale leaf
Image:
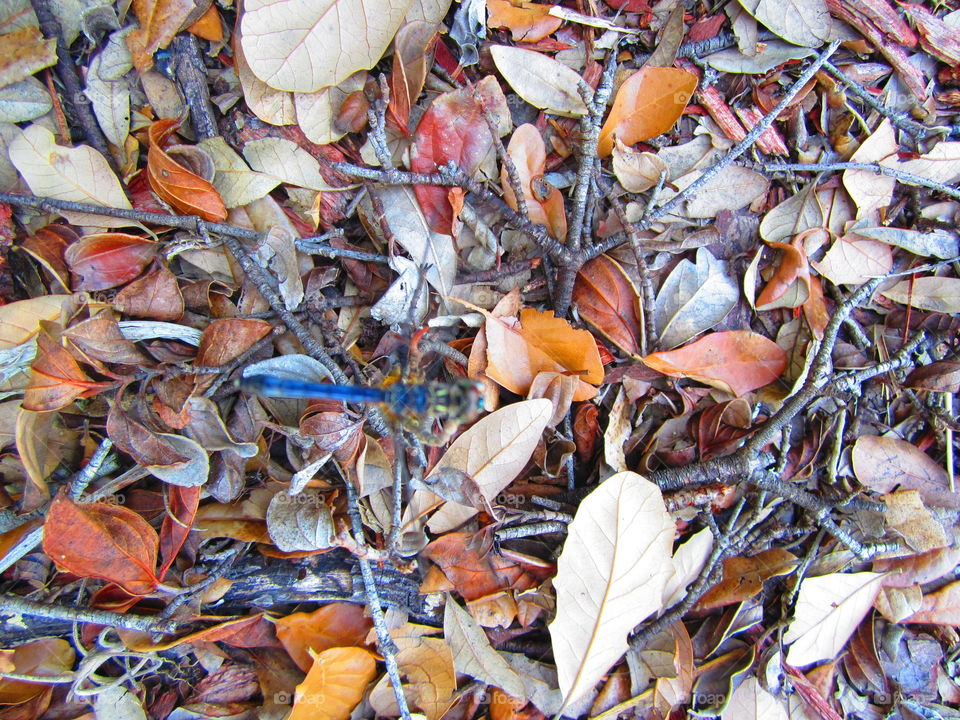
885 463
870 191
20 320
285 160
801 22
306 45
751 702
472 653
610 577
492 452
829 608
791 217
694 298
540 80
940 294
79 174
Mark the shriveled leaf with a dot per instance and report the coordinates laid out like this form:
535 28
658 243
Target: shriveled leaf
801 22
182 504
789 287
472 654
610 577
103 541
305 45
939 294
335 684
109 259
191 473
647 104
540 80
694 298
544 202
339 624
527 21
78 174
453 129
736 361
186 191
883 463
607 299
829 608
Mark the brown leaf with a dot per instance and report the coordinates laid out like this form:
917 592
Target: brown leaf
99 340
44 657
883 463
182 504
159 20
647 104
790 285
607 299
225 340
544 202
339 624
940 376
24 52
140 442
108 259
184 190
939 608
412 59
47 246
743 577
736 361
102 541
56 379
155 296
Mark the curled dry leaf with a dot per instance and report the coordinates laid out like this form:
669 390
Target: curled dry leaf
78 174
412 59
104 541
647 104
529 156
300 522
542 81
184 190
610 577
829 608
790 285
736 361
608 300
636 171
335 684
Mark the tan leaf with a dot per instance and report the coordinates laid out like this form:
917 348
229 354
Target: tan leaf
285 160
907 515
610 577
306 45
751 702
78 174
636 171
939 294
853 260
237 184
829 608
24 52
300 522
270 105
20 321
317 111
801 22
733 188
939 608
883 463
540 80
472 653
870 191
159 20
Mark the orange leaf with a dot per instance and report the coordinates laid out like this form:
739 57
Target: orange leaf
736 361
177 523
608 301
335 684
542 343
44 657
544 202
226 340
790 285
182 189
339 624
412 59
527 21
108 259
647 104
208 26
56 379
744 577
159 20
102 541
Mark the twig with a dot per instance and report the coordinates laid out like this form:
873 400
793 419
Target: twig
13 605
901 176
192 77
89 472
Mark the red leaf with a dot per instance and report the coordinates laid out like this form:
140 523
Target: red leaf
453 129
56 379
606 299
102 541
177 522
184 190
736 361
109 259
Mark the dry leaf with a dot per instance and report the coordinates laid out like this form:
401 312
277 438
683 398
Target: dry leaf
939 294
339 624
183 189
528 21
907 516
78 174
24 52
540 80
646 105
736 361
317 111
869 190
307 45
472 654
853 260
544 202
286 161
236 183
335 684
159 20
751 702
610 577
801 22
608 300
829 608
883 463
636 171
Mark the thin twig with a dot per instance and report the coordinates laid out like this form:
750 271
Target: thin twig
900 176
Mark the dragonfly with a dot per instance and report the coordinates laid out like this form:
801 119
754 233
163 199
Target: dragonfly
413 405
